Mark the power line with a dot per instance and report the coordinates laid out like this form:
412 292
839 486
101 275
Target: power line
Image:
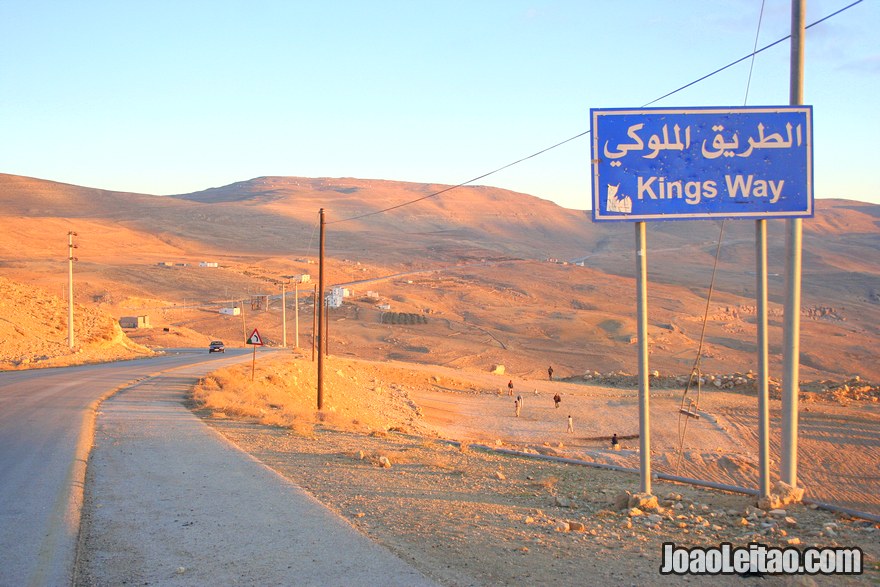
577 136
464 183
697 369
755 48
741 59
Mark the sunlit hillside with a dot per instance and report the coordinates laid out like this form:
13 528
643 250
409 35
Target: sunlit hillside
500 277
34 331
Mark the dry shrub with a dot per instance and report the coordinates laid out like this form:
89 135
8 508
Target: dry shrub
208 383
283 393
231 390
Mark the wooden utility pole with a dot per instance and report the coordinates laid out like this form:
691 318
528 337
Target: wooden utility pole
70 260
314 320
320 307
243 326
296 313
283 315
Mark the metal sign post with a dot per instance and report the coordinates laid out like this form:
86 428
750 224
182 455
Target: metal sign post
793 254
701 163
763 360
255 340
644 385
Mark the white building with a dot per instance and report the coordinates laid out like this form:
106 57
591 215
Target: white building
334 298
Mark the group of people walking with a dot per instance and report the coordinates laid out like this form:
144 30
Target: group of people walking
557 399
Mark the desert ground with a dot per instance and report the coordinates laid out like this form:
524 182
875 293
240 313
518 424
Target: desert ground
402 450
443 293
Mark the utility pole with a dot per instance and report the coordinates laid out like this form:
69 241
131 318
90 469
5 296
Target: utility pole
296 280
793 256
283 316
243 327
320 308
314 319
70 260
296 313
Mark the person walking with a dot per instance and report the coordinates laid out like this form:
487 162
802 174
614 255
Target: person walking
556 400
519 398
550 372
615 445
570 425
510 388
517 405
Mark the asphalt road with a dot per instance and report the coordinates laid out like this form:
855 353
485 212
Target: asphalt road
46 427
162 498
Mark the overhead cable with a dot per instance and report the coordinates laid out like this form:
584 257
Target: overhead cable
579 135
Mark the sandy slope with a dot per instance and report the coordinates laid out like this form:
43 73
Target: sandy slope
475 262
475 517
34 332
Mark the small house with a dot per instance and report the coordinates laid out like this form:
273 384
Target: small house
134 322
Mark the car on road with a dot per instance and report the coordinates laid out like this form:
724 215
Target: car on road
216 346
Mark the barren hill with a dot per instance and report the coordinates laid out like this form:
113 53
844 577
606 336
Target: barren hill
33 331
473 261
464 223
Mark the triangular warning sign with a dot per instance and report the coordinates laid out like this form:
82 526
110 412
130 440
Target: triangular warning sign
255 338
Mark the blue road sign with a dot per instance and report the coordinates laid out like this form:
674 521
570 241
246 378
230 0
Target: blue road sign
697 163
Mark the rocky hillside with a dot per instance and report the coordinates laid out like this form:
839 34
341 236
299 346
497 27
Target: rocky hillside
33 331
501 277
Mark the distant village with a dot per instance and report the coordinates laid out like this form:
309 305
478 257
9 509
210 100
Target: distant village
259 302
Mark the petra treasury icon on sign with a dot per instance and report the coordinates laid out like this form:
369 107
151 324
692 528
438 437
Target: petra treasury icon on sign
613 203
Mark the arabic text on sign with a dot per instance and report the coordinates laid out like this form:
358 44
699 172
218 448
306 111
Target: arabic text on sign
721 145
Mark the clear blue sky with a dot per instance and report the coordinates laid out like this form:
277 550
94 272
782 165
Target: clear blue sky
174 96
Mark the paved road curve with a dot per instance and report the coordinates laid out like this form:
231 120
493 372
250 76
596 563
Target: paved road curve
171 502
46 426
167 501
